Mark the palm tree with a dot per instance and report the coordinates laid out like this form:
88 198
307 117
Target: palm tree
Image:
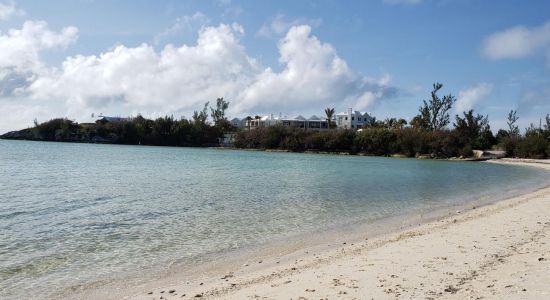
330 113
248 119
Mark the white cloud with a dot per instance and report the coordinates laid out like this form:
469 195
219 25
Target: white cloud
9 9
178 79
183 24
125 80
468 98
517 42
402 1
314 76
20 48
279 25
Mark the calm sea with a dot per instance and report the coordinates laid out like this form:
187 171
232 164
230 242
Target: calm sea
71 214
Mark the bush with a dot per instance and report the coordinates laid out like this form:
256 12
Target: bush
532 146
377 141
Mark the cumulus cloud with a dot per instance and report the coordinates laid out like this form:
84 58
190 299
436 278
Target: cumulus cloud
279 25
9 9
517 42
314 76
468 98
178 79
20 48
125 80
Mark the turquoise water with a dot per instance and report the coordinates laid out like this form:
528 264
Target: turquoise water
73 214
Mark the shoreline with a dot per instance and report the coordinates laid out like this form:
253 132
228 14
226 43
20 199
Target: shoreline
275 150
266 272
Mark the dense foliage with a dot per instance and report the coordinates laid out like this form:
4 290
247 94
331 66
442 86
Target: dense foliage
469 132
427 135
164 131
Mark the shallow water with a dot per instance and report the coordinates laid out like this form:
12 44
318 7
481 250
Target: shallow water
72 214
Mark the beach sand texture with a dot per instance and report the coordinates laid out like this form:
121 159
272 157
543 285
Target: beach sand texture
498 251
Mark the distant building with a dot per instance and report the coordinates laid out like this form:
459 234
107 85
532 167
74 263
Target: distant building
353 119
313 122
105 119
239 123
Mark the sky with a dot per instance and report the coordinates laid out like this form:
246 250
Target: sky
75 58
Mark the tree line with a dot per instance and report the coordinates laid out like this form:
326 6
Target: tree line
432 132
427 134
197 131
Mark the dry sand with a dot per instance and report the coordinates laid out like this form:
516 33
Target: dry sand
498 251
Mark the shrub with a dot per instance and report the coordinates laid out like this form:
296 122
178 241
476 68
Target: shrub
532 146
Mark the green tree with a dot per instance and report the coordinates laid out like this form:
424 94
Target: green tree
473 131
513 129
201 117
218 115
329 112
434 114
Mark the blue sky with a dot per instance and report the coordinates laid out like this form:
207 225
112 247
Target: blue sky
293 57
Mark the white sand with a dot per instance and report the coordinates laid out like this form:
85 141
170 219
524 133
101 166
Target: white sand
499 251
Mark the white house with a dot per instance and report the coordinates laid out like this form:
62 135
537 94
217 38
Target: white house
352 119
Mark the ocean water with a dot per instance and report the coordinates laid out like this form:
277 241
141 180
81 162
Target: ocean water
73 214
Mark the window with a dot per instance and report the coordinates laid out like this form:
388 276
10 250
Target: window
346 118
359 119
352 118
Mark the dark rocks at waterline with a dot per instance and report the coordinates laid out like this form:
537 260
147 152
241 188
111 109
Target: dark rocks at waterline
31 135
25 134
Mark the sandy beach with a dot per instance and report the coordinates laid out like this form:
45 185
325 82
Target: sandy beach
498 251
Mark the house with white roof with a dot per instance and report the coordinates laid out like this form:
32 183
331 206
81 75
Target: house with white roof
313 122
351 119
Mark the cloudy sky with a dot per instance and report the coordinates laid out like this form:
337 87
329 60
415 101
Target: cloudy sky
74 58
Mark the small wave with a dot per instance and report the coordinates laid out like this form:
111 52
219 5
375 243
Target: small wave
12 215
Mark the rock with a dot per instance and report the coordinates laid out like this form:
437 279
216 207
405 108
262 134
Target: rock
451 289
541 258
171 291
150 293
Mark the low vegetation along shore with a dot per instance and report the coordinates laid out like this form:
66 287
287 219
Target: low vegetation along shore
431 133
